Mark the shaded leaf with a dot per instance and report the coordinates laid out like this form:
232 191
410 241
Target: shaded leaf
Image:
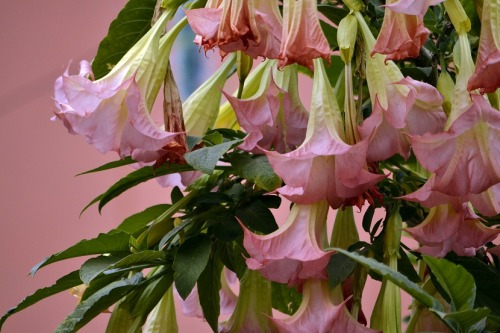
189 263
397 278
256 170
111 165
88 309
116 243
456 281
209 286
139 220
257 216
205 159
339 268
95 266
133 21
285 299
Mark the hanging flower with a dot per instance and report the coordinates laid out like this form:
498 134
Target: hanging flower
270 117
303 40
486 77
445 230
466 158
324 166
252 26
293 252
113 112
318 314
401 36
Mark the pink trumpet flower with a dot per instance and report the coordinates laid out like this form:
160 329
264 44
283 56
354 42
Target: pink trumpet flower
113 113
413 7
445 230
252 26
270 117
303 40
317 314
293 252
324 166
486 77
401 35
466 158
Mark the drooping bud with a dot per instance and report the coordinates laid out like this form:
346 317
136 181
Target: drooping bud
446 86
458 16
346 37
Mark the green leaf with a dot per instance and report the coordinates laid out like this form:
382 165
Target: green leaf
486 280
406 267
145 257
95 266
257 216
190 261
139 220
257 170
88 309
133 21
397 278
468 320
330 33
456 281
63 284
116 243
339 268
205 159
176 195
111 165
208 291
139 176
284 298
333 13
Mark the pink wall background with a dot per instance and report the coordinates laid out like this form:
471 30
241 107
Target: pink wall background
40 198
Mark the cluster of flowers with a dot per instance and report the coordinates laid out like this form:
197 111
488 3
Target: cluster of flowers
327 156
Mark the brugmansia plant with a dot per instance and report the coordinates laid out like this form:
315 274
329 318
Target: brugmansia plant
404 118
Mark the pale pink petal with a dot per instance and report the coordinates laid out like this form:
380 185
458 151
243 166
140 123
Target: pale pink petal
318 314
465 159
486 76
487 202
413 7
429 198
401 36
303 40
472 235
293 252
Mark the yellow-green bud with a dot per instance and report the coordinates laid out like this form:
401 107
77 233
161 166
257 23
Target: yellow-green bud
356 5
346 37
457 15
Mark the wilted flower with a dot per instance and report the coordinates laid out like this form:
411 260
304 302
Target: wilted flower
486 77
318 314
303 40
401 35
252 26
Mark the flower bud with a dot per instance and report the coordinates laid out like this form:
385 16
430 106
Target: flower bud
458 17
346 37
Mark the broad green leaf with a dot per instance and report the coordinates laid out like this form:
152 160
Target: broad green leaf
141 302
208 291
406 267
205 159
468 321
256 215
456 281
95 266
116 243
140 258
486 279
88 309
330 33
132 23
339 268
135 178
257 170
285 299
333 13
397 278
139 220
63 284
189 263
111 165
172 233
